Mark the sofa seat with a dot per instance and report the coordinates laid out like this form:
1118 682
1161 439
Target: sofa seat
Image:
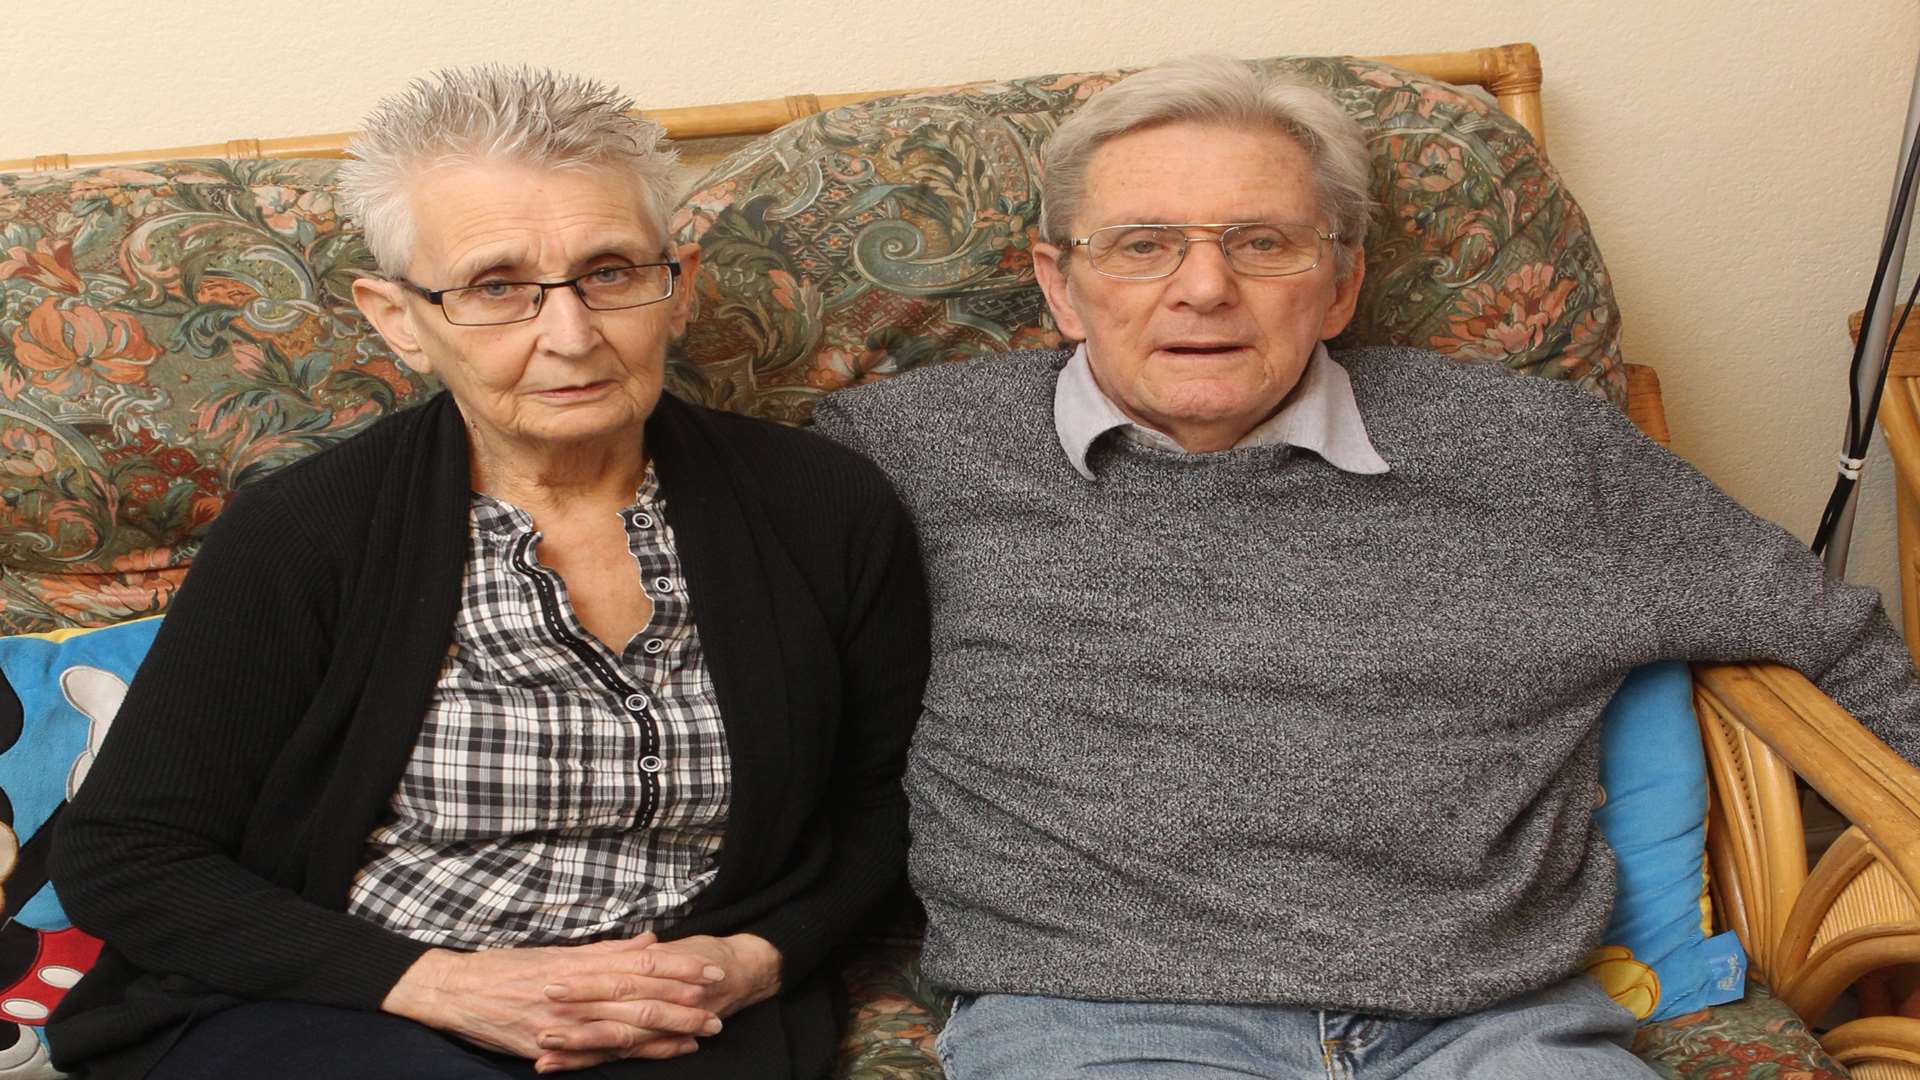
894 1015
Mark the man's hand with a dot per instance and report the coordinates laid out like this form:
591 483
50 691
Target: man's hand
503 999
751 974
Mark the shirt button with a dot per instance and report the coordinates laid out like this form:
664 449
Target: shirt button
663 583
652 763
655 645
642 521
637 702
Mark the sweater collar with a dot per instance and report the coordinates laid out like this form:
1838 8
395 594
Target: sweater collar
1319 415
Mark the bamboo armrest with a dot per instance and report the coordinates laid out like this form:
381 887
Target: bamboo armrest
1811 934
1900 419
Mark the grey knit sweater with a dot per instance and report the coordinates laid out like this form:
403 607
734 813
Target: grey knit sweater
1242 727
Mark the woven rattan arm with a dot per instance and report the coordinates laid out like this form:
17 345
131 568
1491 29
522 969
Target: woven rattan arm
1810 934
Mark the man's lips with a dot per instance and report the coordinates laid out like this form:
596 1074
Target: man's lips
1201 348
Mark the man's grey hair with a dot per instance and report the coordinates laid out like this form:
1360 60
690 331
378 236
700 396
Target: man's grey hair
499 113
1224 91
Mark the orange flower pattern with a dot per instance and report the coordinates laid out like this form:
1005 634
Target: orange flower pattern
1515 319
48 264
65 347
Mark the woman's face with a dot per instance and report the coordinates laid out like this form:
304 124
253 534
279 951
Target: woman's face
570 376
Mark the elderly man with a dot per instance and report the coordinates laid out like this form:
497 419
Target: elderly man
1261 732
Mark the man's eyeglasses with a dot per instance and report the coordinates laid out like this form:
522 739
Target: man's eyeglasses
609 288
1256 249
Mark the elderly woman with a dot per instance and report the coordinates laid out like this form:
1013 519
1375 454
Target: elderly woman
551 723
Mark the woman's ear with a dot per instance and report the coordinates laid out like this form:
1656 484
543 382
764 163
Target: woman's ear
686 306
384 304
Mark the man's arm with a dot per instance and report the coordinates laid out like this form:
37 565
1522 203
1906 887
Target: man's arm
1724 585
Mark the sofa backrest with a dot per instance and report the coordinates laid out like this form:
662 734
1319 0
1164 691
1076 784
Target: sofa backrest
170 331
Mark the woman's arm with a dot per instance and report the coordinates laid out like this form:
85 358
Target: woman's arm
146 855
883 672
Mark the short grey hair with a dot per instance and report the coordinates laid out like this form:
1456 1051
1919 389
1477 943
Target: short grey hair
496 112
1215 90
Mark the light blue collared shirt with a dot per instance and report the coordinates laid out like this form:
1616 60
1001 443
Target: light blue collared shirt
1318 415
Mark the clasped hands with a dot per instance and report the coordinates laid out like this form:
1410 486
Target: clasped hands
572 1006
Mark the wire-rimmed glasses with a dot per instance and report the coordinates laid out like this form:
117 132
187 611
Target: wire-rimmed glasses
1253 248
607 288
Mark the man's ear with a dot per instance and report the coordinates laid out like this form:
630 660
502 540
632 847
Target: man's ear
686 305
385 306
1050 269
1346 296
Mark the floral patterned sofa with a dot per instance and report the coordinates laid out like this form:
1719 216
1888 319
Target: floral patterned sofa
171 331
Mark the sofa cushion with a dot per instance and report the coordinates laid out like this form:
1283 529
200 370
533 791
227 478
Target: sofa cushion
863 241
167 332
1658 959
895 1015
1756 1038
58 694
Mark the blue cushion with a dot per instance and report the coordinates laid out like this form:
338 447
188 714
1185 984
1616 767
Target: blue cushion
59 692
1657 959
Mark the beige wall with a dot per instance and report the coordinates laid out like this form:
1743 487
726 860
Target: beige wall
1735 157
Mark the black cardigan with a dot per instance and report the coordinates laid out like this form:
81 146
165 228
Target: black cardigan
216 838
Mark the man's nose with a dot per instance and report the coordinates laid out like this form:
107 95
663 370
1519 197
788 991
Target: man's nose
1204 279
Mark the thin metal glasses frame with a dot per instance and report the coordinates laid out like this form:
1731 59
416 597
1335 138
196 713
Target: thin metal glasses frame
1225 229
437 297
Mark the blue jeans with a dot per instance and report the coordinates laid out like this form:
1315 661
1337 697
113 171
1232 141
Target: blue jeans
1570 1031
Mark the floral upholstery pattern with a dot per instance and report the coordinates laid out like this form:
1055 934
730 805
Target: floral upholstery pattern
167 333
1755 1039
869 239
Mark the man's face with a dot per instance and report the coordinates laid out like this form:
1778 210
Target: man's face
569 374
1205 354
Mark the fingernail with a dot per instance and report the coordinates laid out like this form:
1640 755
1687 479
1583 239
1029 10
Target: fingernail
712 973
711 1027
554 991
551 1042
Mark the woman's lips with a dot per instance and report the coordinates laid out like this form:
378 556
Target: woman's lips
574 393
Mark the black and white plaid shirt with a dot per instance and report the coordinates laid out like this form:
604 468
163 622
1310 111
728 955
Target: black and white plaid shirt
558 792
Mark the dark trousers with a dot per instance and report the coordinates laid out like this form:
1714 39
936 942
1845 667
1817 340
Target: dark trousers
296 1041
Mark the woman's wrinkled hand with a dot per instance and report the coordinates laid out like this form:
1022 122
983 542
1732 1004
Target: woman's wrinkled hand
506 1000
750 968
